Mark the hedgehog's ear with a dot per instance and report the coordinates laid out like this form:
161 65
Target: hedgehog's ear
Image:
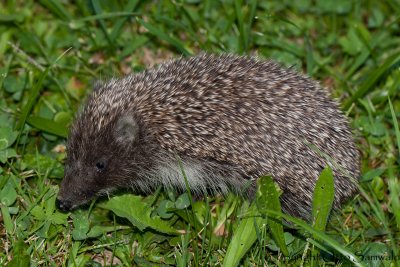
126 130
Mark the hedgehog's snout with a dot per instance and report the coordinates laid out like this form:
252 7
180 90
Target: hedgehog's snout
63 205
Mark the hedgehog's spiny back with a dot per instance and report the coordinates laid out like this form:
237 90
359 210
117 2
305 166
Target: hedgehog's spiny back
241 113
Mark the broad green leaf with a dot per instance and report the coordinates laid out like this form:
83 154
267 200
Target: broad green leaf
137 212
8 195
268 199
13 84
58 218
63 118
81 225
378 186
352 43
368 176
49 126
324 193
164 209
6 154
7 137
13 210
244 237
38 213
183 201
44 164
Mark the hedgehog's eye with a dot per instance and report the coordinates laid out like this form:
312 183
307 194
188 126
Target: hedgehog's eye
100 166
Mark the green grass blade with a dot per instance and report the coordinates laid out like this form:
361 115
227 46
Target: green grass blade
97 8
131 47
268 199
33 96
395 124
359 61
193 217
6 69
165 37
372 79
105 16
178 25
393 182
32 100
8 224
252 15
245 235
244 27
324 193
116 31
242 39
309 55
57 9
48 126
347 254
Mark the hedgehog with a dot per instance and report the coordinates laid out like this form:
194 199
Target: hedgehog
222 121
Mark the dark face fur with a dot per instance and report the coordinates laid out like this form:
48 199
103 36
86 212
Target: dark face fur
100 159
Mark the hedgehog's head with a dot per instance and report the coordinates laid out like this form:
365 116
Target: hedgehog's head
105 151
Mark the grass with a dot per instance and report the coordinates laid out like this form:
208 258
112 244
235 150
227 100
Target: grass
52 51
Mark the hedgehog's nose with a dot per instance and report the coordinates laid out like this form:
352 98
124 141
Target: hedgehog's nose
63 205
